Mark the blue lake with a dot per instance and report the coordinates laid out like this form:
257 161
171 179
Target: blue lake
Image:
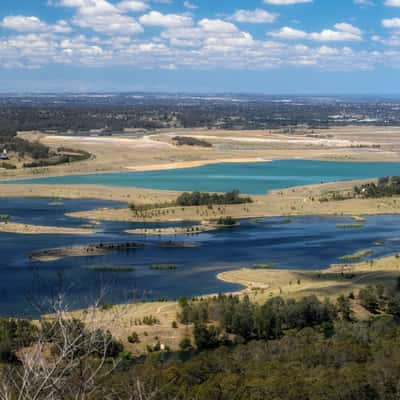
251 178
304 242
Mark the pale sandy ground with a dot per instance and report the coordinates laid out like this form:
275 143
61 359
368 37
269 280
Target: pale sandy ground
191 164
331 282
26 229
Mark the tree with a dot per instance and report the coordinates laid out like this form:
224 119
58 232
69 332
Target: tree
344 307
205 337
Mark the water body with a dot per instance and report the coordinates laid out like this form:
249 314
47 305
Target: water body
251 178
304 242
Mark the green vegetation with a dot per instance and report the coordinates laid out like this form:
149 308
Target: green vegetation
350 226
357 218
205 199
150 320
5 217
386 187
163 267
14 335
196 199
264 266
249 321
7 165
283 349
226 221
133 338
190 141
357 256
110 268
63 156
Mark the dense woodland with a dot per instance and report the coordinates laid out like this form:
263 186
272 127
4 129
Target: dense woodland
282 349
208 199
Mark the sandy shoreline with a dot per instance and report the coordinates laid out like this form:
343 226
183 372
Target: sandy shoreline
26 229
192 164
329 282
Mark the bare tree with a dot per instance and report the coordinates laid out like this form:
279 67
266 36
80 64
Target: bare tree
68 360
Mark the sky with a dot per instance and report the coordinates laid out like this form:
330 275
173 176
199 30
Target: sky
213 46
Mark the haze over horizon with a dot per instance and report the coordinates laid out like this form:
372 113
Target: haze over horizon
272 47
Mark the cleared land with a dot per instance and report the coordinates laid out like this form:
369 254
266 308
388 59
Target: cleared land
157 151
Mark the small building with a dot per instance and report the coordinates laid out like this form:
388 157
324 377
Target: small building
4 155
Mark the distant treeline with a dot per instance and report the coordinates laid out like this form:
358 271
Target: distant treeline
190 141
118 112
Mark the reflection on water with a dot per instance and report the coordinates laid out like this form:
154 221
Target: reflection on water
304 242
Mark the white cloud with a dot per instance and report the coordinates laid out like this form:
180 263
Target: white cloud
344 33
189 5
22 23
391 23
155 18
132 6
289 33
256 16
364 2
103 17
217 26
286 2
392 3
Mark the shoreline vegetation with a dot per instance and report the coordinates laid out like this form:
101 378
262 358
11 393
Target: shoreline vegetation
259 285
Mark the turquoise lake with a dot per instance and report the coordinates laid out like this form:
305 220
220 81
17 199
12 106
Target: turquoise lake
251 178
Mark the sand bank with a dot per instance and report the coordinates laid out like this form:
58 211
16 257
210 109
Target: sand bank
191 164
26 229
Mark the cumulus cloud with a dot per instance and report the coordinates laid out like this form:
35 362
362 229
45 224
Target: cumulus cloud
22 23
155 18
257 16
343 32
392 23
104 17
132 6
105 33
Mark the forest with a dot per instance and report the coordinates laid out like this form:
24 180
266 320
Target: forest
307 349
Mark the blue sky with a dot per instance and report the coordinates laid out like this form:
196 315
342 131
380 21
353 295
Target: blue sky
265 46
